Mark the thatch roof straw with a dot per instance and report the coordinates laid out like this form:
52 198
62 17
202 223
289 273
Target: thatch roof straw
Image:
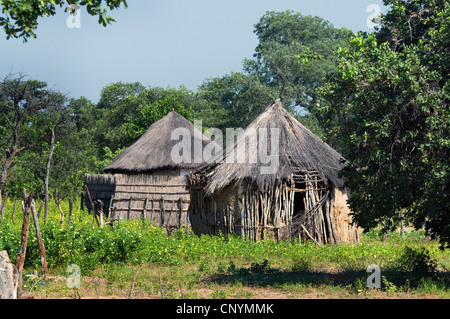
152 151
299 151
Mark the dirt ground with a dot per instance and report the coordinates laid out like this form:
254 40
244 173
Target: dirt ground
55 287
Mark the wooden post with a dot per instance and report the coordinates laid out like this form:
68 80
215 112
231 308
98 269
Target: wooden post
20 260
152 212
161 211
44 267
181 212
129 208
170 214
9 277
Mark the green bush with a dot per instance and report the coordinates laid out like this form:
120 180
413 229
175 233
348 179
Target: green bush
418 261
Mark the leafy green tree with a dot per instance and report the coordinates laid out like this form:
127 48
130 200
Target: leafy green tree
126 110
27 107
117 105
233 100
284 38
19 18
388 109
157 104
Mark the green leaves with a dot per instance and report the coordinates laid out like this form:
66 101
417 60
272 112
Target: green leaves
294 56
388 111
20 18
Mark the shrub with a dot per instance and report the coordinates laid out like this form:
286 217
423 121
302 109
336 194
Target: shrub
417 261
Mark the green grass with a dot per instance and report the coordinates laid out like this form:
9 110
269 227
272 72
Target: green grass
185 265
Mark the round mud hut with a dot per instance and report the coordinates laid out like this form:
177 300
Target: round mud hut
147 180
277 180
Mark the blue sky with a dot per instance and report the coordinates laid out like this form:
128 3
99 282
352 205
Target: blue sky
157 42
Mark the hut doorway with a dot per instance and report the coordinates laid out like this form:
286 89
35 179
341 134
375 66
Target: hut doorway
299 200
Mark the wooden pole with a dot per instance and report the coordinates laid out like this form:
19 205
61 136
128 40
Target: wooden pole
129 208
181 212
44 267
20 259
152 212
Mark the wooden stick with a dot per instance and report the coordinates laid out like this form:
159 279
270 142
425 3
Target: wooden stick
309 235
180 212
132 285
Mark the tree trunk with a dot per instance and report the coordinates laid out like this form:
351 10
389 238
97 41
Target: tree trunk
386 228
47 173
6 166
58 203
9 277
70 210
44 267
402 223
2 209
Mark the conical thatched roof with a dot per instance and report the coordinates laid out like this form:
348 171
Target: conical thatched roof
152 151
299 151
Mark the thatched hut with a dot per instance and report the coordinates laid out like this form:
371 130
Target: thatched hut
146 180
301 198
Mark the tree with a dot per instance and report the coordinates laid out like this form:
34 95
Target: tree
126 110
26 106
117 105
20 18
157 103
283 37
232 100
388 109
